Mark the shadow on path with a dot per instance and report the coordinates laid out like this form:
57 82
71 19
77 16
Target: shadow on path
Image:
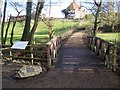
76 67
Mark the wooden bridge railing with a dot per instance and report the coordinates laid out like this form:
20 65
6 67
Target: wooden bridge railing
45 52
53 47
106 51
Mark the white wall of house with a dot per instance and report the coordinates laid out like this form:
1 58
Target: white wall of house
80 13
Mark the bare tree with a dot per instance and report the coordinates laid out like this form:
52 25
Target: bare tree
14 23
98 5
36 19
25 35
50 27
95 9
3 22
6 33
48 22
0 11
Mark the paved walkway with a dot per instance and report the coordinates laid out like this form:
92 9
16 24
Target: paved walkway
75 56
77 67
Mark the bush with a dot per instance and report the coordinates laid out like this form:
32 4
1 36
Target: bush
106 28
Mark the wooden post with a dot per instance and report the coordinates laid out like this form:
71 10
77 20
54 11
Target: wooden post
31 49
1 56
10 53
115 59
32 58
88 42
49 62
54 52
97 46
100 54
108 56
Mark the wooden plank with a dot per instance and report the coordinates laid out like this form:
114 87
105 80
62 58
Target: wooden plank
19 57
115 58
29 51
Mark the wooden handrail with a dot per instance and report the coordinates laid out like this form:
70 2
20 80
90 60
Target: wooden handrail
53 47
106 51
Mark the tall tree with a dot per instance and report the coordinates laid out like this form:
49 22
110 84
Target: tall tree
36 19
98 5
3 22
26 31
14 22
6 33
111 15
0 10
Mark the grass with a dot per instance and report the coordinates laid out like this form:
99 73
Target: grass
59 26
18 37
85 24
111 37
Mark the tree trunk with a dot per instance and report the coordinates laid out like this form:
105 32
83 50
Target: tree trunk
12 32
3 22
96 16
113 27
25 35
95 23
38 11
6 33
50 32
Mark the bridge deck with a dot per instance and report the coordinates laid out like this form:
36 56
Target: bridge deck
76 67
74 55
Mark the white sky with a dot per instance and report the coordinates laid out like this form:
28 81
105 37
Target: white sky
56 8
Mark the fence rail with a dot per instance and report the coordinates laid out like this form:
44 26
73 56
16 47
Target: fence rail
46 52
106 51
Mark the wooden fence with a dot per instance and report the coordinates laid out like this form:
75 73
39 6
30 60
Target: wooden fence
107 52
45 52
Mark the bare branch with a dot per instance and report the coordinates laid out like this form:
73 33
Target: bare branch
15 6
98 4
47 24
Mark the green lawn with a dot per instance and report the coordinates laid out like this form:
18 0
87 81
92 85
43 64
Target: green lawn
60 26
111 37
42 29
18 37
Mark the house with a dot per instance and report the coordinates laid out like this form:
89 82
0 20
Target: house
76 11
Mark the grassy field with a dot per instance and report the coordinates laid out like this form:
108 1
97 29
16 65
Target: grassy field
42 28
111 37
59 26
